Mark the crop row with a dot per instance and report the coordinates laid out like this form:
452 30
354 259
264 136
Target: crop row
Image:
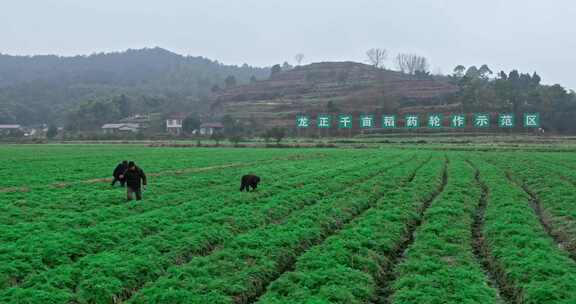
551 189
144 258
21 164
38 252
18 207
90 204
350 266
529 267
440 266
242 269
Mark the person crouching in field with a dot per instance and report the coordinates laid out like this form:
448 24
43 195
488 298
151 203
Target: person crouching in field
135 180
120 169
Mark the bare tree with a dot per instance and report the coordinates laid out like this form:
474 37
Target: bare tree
299 58
411 63
376 57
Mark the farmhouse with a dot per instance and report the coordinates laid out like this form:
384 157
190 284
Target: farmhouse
118 128
10 129
174 123
207 129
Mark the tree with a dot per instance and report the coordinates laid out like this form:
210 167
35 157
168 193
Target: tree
286 66
232 127
267 135
92 114
235 139
472 72
217 137
459 70
215 88
484 71
422 75
253 79
376 57
331 107
229 123
191 123
278 133
411 63
299 58
123 105
275 70
536 79
230 81
52 132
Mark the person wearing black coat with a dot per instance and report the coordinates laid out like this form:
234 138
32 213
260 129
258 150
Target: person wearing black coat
135 179
119 171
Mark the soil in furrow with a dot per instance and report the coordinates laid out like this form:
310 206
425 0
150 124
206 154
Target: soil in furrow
385 288
127 295
561 240
506 291
290 264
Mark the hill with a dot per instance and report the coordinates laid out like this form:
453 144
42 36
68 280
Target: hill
329 87
37 89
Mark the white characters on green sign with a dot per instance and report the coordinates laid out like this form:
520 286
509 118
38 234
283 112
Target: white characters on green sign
506 120
367 121
481 120
531 120
412 121
345 121
302 121
388 121
323 121
458 121
435 121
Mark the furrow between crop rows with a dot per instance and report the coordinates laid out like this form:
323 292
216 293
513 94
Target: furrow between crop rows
480 245
563 241
65 249
528 265
282 221
346 267
289 267
195 241
385 288
550 196
439 266
176 192
89 198
240 272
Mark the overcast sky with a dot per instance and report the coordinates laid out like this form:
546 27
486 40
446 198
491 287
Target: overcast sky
530 35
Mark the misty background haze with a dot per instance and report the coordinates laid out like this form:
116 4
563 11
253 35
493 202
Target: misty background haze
533 35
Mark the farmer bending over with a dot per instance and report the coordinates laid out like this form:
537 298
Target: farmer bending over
120 169
135 179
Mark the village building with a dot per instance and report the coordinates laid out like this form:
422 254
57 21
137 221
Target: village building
10 129
207 129
120 128
174 123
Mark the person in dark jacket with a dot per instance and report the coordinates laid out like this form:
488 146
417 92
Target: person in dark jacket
135 180
119 171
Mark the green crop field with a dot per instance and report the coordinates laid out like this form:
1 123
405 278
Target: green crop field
381 225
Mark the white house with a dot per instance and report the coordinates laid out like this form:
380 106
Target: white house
174 123
207 129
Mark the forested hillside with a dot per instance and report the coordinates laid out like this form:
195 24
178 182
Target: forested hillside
348 87
38 89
